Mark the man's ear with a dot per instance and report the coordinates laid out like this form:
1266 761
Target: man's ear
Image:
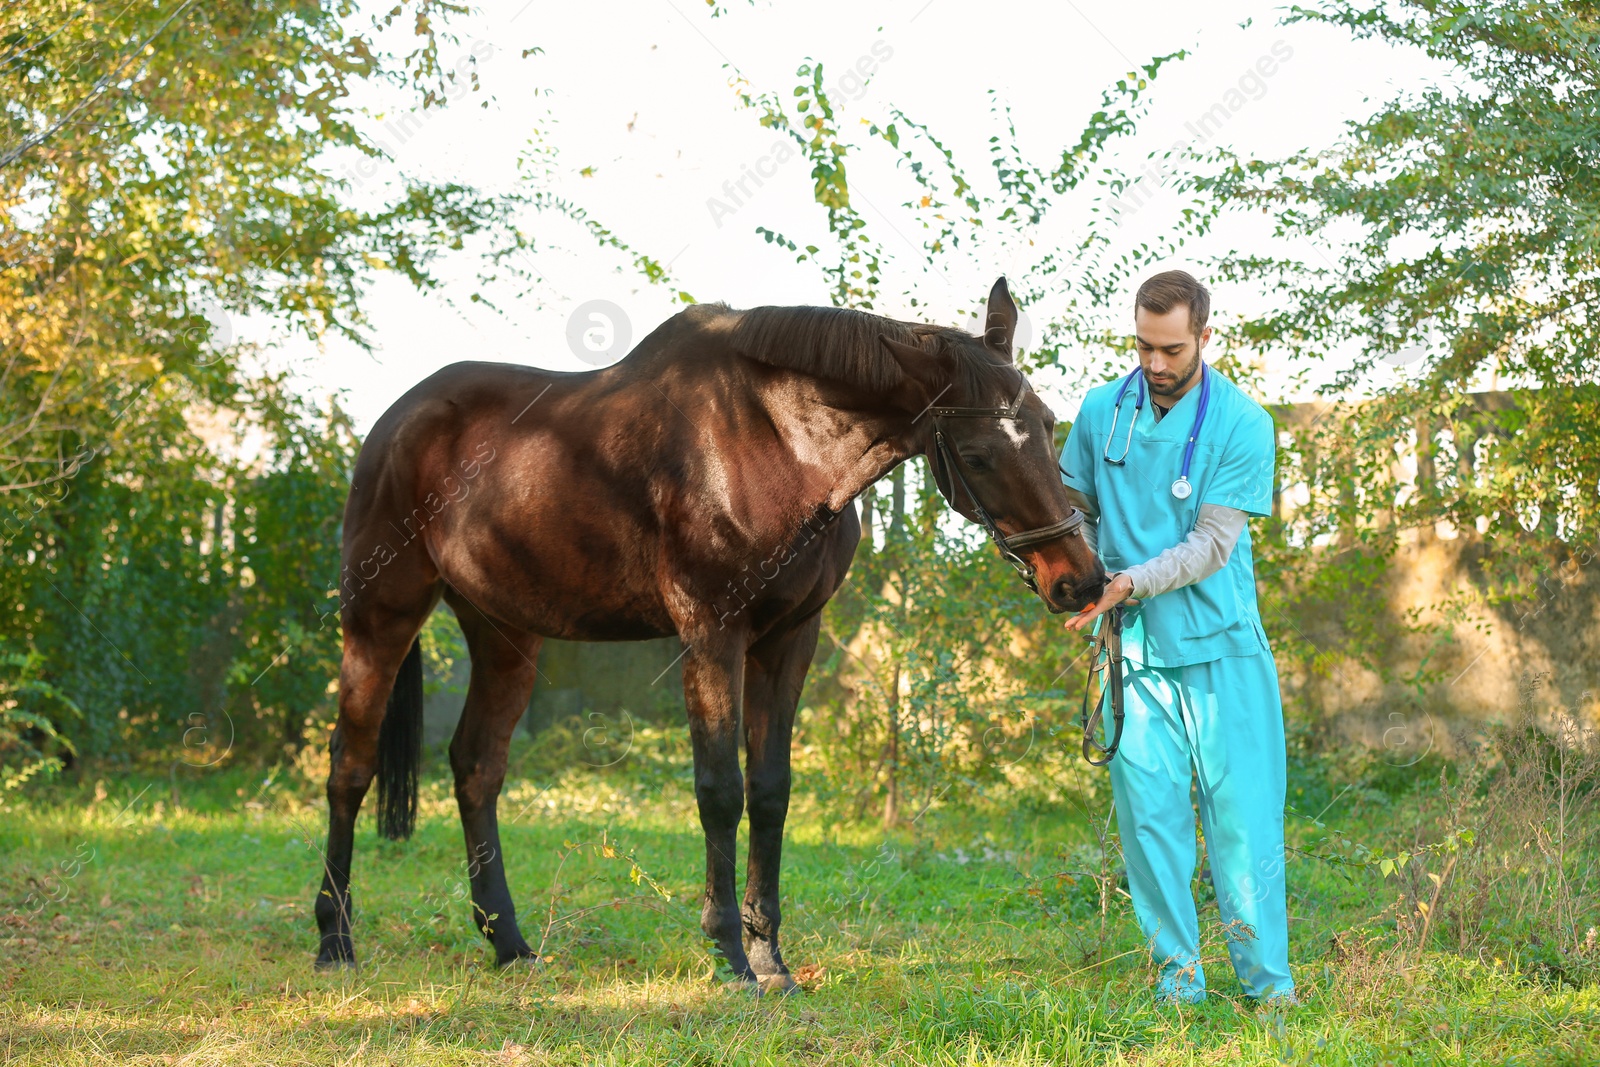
927 375
1000 322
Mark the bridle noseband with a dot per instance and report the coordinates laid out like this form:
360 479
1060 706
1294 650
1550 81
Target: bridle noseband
1007 545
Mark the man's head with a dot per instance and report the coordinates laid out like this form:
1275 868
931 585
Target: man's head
1169 324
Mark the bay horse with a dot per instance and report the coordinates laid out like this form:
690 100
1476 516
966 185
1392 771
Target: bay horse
701 487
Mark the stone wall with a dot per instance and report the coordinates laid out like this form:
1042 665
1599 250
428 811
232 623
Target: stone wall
1482 661
1476 661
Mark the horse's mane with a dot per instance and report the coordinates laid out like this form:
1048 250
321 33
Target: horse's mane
842 344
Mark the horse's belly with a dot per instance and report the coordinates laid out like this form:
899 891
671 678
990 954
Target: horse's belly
789 584
610 627
557 587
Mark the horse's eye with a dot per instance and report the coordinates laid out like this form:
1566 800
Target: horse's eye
975 462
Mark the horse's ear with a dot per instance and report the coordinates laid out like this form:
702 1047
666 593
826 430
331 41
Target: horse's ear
927 374
1000 323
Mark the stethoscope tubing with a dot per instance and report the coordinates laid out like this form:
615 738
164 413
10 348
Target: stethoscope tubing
1138 404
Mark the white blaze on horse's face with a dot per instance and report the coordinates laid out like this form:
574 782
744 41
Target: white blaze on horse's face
1015 432
1014 429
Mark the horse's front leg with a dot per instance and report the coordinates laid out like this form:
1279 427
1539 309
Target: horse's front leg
713 683
775 671
503 674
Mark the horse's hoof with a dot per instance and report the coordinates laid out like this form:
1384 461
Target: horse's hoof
527 959
779 984
517 952
331 966
743 985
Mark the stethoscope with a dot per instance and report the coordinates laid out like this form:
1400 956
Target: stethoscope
1180 488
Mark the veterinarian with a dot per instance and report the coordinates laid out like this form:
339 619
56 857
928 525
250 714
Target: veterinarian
1169 462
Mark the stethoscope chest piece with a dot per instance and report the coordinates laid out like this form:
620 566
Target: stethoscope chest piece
1182 489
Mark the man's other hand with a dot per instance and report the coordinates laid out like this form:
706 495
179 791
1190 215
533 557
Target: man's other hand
1119 590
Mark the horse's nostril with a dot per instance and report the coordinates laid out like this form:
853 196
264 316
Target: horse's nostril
1090 589
1066 591
1076 592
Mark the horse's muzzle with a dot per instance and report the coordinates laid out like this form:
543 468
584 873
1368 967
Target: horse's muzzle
1069 595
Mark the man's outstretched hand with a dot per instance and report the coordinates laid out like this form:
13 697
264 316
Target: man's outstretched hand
1119 590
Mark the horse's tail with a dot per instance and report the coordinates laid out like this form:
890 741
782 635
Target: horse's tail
400 750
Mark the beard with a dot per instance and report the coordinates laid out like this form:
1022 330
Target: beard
1183 380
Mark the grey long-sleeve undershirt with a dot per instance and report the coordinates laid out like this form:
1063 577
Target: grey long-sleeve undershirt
1198 556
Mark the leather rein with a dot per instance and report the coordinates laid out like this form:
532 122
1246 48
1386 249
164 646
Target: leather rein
1106 661
1108 641
1007 545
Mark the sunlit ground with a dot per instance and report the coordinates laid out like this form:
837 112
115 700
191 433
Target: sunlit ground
166 920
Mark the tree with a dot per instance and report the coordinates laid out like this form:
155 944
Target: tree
955 680
1463 225
162 165
164 162
169 512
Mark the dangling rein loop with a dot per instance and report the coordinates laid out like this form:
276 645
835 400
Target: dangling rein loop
1107 644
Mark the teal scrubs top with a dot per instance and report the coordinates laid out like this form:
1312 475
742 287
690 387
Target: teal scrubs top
1233 465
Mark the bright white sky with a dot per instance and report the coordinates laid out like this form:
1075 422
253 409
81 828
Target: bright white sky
638 90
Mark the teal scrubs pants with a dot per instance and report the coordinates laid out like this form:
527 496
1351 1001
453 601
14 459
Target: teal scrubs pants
1219 722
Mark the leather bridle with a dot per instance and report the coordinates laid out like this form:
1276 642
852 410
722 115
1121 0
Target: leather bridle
1007 545
1107 659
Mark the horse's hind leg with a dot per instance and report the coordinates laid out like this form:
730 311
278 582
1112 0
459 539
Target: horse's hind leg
376 641
775 669
502 679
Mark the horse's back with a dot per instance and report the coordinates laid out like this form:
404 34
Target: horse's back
577 504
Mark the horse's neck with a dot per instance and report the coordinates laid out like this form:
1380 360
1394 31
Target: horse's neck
841 450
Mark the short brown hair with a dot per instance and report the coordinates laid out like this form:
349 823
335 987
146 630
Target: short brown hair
1162 292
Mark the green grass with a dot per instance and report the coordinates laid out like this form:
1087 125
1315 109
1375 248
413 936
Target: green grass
139 930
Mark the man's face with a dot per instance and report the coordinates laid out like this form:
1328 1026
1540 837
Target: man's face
1169 352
